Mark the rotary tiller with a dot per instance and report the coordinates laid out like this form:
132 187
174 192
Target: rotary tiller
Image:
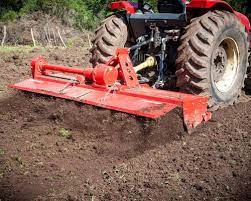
114 86
197 47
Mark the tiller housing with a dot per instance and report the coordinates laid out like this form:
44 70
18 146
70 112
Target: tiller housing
114 86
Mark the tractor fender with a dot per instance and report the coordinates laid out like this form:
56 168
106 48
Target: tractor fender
209 4
129 7
245 21
221 5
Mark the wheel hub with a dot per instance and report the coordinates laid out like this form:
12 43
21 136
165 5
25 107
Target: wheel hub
225 65
220 63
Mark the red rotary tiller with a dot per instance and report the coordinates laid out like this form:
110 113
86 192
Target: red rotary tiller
201 45
114 86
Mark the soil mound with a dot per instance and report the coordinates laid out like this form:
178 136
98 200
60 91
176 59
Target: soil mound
46 30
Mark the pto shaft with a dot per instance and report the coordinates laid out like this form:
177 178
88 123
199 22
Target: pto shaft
101 75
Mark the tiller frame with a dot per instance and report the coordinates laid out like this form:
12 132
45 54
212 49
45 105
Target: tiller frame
114 86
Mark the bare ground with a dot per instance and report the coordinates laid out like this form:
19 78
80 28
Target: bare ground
53 149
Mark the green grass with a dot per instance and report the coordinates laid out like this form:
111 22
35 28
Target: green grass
25 48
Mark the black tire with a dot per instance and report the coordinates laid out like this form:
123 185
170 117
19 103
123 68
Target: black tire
111 35
204 48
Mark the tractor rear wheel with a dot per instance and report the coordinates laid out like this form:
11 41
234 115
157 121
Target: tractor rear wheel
111 35
213 58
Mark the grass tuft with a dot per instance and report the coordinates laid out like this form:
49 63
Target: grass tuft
2 152
64 133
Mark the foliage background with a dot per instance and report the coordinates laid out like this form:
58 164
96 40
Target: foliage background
83 14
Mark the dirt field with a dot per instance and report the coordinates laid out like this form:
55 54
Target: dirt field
52 149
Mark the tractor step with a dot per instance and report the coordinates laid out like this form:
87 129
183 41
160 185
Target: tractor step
103 87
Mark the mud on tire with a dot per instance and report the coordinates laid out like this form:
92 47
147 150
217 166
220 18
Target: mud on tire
213 49
108 37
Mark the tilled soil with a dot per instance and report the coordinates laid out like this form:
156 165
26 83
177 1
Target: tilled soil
53 149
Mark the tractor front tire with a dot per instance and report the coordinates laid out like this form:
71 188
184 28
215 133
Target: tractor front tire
213 58
112 34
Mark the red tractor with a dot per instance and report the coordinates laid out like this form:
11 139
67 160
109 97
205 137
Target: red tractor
198 47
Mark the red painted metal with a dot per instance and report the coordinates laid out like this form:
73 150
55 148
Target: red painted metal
105 75
102 75
125 5
245 21
208 4
126 69
113 86
219 4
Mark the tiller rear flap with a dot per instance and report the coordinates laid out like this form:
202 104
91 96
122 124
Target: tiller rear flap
113 86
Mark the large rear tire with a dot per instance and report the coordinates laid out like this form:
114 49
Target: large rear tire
111 35
212 58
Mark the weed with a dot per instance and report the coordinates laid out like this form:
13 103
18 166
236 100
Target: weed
59 115
18 159
174 176
90 190
64 133
2 88
32 147
2 152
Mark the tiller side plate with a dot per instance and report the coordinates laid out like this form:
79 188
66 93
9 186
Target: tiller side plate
113 86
